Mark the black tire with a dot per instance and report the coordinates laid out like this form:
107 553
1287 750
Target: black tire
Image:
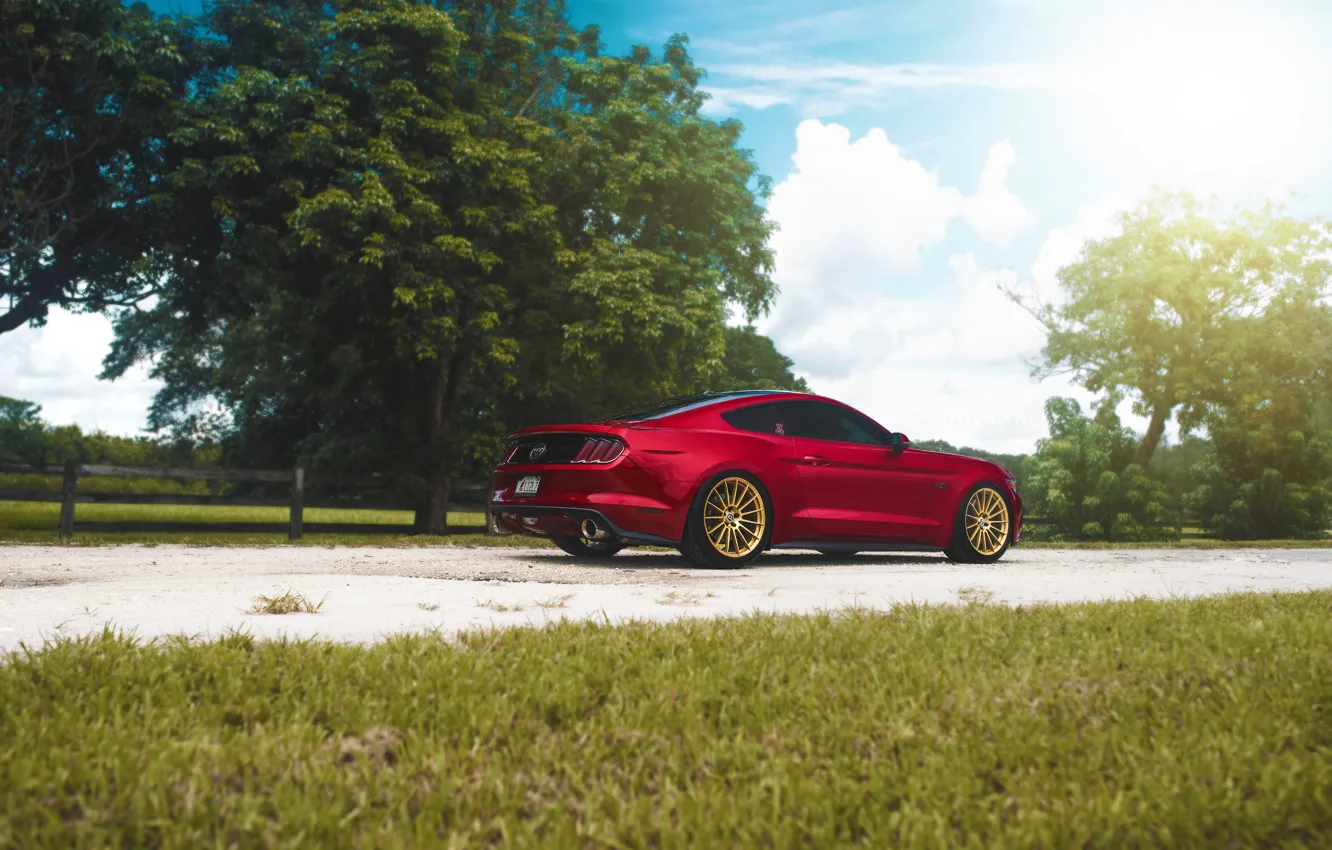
581 547
837 554
699 550
961 549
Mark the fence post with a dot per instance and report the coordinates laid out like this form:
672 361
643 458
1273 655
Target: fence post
1179 527
297 503
67 490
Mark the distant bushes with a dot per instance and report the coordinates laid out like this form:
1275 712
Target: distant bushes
1081 480
27 439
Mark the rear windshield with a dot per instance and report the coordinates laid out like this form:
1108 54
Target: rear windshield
674 405
662 408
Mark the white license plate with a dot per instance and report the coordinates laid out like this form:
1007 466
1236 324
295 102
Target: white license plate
527 486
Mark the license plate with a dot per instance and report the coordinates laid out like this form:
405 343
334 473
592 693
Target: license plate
528 485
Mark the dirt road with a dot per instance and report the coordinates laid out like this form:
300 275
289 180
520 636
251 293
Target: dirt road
369 593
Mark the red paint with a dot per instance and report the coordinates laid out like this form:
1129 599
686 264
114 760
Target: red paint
822 490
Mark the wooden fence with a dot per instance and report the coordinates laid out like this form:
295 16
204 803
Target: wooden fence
473 498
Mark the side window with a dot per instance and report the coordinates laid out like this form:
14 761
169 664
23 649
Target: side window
815 420
759 418
863 430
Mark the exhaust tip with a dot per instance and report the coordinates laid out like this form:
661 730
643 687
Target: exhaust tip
591 532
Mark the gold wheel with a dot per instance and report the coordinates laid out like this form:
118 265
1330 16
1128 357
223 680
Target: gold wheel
986 519
734 517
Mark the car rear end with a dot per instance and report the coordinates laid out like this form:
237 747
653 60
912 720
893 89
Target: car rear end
584 480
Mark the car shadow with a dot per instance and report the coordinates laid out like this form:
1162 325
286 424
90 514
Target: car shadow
629 560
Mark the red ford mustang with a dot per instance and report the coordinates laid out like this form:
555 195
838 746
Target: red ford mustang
724 477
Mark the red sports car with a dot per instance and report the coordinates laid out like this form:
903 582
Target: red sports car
724 477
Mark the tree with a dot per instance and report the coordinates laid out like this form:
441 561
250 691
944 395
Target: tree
26 438
1269 468
1176 311
87 89
21 430
752 362
1012 462
412 213
1080 478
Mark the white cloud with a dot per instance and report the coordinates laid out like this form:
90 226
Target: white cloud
994 212
819 88
948 365
1063 245
723 101
854 213
884 78
944 362
56 366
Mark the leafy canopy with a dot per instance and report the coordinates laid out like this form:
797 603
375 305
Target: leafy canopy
87 89
402 222
1181 311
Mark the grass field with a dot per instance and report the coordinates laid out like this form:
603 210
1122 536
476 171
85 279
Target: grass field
1173 724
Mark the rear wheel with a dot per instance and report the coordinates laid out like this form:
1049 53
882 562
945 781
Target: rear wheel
983 528
581 547
729 524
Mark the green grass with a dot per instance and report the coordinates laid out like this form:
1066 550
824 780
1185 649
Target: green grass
1184 723
1184 544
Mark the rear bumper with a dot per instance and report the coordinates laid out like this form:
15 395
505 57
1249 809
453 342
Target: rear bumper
545 520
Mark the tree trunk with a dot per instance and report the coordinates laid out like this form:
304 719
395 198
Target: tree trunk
442 383
1152 439
433 517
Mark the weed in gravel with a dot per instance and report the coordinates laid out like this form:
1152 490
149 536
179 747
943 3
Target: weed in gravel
287 603
499 607
674 597
973 595
427 606
555 601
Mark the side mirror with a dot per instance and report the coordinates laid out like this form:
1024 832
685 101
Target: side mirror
898 442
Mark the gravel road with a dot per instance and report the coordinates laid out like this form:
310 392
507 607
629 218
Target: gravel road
368 593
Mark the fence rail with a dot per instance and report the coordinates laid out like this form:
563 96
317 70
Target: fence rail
473 492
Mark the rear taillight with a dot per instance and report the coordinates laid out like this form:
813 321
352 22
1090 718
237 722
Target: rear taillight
599 450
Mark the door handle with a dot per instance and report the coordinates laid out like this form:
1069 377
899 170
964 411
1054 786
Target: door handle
815 460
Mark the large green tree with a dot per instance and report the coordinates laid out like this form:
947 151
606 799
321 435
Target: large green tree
1179 310
87 90
413 214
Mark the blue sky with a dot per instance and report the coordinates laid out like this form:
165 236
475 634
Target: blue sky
923 153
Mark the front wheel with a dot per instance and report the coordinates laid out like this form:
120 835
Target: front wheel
983 529
581 547
729 524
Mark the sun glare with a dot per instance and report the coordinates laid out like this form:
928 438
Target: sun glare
1219 93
